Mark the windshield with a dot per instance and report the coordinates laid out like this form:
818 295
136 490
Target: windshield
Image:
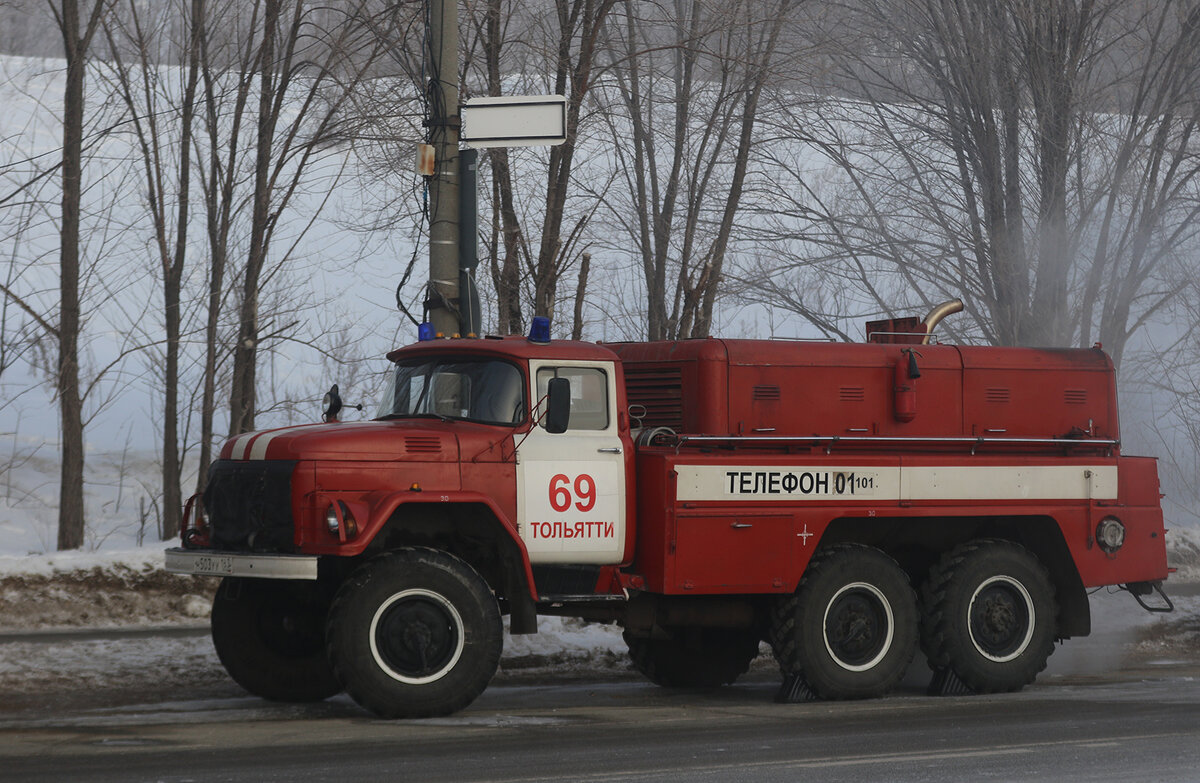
487 391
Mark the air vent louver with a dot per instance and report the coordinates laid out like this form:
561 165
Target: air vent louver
1075 396
852 394
766 393
423 444
996 394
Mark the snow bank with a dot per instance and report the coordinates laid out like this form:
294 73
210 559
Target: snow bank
138 560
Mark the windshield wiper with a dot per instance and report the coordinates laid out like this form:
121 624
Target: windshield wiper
391 416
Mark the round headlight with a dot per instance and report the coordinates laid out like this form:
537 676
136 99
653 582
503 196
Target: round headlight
1110 534
331 520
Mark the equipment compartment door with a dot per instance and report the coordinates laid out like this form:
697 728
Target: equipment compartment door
733 553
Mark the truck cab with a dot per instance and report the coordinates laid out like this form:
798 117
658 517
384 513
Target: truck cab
461 423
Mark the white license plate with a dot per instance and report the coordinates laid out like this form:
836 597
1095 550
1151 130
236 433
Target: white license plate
212 564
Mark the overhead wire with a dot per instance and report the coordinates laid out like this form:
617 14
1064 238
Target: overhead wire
428 81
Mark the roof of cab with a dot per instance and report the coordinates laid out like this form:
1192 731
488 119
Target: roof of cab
513 347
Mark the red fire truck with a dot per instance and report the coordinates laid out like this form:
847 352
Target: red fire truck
848 503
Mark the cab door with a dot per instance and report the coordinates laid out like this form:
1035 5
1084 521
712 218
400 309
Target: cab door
571 485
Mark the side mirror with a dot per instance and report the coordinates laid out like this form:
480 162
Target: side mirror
558 405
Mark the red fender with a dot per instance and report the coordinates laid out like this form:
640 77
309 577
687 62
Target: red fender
377 508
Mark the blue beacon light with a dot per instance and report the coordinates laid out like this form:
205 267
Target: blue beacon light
425 332
539 329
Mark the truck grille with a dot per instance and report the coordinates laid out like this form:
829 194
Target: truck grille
249 505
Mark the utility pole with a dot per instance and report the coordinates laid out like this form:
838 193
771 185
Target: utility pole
443 297
452 300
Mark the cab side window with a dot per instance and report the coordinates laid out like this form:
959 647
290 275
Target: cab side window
589 395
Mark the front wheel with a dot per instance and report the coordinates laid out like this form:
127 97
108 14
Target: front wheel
270 637
850 629
989 614
415 633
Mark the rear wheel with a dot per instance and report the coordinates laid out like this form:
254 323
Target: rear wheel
270 637
415 633
694 657
989 615
850 629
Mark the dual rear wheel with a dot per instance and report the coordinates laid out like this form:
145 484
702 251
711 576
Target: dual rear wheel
986 613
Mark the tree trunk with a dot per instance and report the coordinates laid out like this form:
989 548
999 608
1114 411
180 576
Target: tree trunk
172 287
242 399
585 264
218 205
70 507
507 265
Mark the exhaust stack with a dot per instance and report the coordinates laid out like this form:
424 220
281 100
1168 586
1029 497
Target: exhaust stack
937 314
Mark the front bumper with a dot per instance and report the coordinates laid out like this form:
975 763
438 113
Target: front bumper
207 562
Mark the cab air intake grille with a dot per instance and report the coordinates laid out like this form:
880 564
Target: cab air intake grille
422 444
659 391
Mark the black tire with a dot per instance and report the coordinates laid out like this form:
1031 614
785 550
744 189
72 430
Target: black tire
989 615
694 657
850 629
415 633
270 637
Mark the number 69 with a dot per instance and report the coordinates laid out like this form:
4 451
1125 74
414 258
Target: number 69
560 492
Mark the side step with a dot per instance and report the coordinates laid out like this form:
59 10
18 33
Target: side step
589 598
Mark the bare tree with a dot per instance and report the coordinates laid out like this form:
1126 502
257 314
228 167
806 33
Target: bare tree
1145 209
277 88
580 23
562 39
78 24
220 178
1034 158
686 93
166 160
508 244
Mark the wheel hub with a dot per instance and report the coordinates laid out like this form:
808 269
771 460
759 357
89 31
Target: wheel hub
1001 618
858 626
417 636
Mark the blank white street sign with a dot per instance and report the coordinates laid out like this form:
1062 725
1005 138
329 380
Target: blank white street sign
514 121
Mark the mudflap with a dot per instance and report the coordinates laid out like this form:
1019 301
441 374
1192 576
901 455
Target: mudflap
946 683
794 690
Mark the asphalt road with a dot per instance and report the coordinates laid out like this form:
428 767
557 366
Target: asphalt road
1135 725
1096 714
